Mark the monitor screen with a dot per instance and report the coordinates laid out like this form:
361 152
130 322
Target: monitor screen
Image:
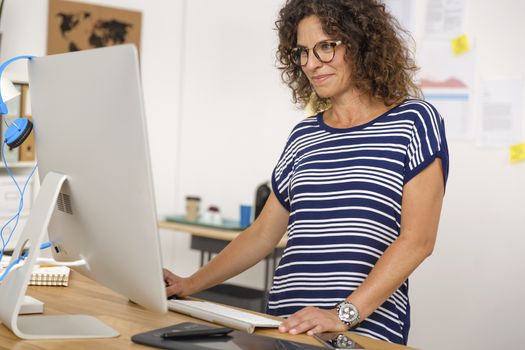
89 125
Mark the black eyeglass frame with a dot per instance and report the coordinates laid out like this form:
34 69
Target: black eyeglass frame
296 52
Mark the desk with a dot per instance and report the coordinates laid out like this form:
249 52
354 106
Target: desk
87 297
211 240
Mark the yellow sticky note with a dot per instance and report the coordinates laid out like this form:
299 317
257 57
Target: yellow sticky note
460 45
517 153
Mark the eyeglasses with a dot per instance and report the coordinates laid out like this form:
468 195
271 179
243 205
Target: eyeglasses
323 50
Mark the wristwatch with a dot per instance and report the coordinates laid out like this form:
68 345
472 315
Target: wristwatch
348 314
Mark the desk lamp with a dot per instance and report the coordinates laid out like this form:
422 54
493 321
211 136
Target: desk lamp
7 90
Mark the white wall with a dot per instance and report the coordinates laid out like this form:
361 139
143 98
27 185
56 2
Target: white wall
472 284
471 290
24 28
235 113
218 118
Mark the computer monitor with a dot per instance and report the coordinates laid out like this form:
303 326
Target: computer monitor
97 190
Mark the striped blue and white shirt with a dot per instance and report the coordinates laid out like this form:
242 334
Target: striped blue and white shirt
343 189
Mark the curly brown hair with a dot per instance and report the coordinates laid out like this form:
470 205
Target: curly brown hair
381 62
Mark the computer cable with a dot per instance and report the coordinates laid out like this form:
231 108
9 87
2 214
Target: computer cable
17 263
21 192
16 133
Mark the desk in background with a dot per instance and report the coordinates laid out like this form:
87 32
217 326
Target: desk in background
211 239
87 297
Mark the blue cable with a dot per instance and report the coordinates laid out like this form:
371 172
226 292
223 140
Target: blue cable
20 207
4 243
8 269
20 258
46 245
16 217
3 110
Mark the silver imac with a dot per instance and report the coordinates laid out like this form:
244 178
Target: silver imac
96 199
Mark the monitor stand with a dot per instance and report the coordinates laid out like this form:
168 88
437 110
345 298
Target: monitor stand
14 286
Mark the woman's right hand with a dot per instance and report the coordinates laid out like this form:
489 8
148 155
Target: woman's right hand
176 285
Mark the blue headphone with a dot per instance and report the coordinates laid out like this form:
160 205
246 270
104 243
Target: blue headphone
20 129
15 135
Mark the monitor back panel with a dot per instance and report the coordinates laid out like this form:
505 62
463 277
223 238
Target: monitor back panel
88 115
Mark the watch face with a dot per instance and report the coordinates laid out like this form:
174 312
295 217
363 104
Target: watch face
347 312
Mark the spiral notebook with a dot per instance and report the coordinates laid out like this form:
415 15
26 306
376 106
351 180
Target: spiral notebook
43 275
50 276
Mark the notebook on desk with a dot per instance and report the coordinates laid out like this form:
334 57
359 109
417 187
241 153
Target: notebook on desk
224 315
50 276
43 275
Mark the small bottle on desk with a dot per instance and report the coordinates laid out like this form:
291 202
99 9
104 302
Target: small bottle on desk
213 216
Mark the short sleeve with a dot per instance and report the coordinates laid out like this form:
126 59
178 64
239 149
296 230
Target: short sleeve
428 142
283 171
281 176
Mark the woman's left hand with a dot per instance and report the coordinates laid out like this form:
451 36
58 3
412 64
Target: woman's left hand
312 320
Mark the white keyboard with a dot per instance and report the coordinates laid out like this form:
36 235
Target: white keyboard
222 314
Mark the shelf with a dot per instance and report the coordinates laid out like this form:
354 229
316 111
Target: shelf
17 165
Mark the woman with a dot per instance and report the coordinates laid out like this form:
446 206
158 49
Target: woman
358 187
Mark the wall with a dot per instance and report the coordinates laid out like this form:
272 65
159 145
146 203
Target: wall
469 294
218 118
24 28
235 113
236 117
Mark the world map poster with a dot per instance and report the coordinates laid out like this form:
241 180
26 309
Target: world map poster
75 26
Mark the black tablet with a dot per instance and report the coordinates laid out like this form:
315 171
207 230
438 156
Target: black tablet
234 340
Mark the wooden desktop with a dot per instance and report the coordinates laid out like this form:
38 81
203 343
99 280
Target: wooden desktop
84 296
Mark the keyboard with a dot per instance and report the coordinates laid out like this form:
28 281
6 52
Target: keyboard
221 314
